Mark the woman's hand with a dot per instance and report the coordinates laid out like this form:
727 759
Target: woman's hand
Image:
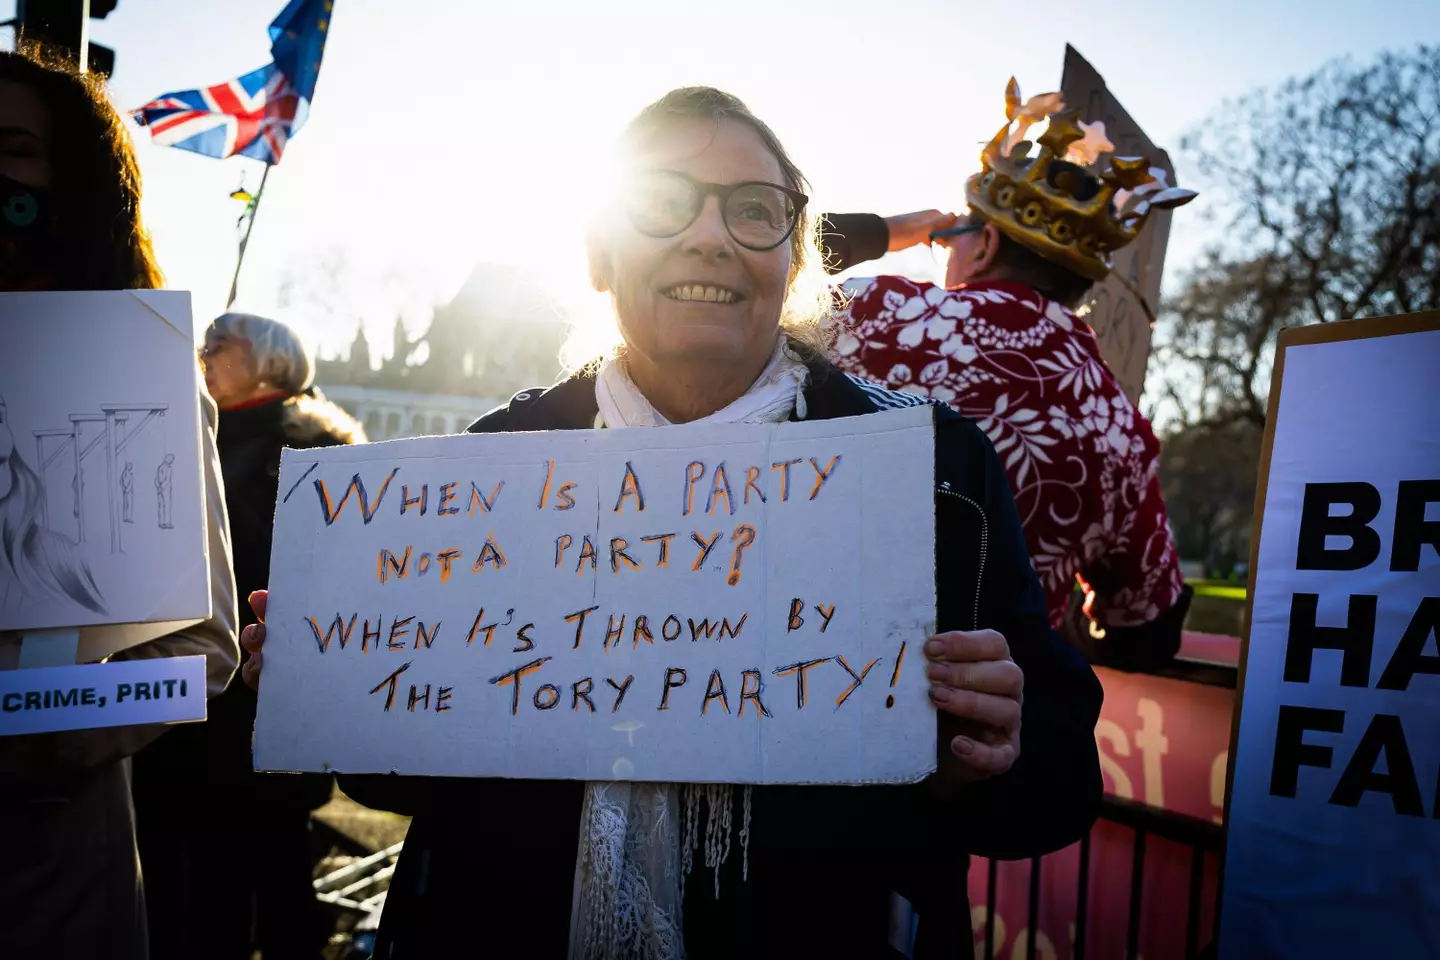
912 229
973 678
252 638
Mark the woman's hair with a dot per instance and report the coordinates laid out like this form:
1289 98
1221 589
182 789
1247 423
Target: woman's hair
809 300
281 358
95 181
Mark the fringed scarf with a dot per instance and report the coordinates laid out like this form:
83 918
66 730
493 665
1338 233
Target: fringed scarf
638 840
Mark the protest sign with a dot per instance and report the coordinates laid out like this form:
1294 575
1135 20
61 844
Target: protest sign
162 690
724 603
1333 841
1122 324
100 473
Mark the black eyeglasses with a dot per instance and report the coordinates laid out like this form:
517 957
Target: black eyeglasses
759 216
956 231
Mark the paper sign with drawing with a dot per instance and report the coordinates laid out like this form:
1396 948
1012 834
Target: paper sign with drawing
98 400
725 603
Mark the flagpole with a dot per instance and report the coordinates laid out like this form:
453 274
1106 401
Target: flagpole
245 240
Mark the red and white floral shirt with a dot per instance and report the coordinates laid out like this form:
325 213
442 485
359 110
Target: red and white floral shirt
1083 462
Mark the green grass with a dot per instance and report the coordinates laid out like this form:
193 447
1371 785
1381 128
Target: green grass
1217 589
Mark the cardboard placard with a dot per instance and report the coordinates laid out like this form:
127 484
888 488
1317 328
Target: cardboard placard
702 603
101 482
1121 324
1334 797
164 690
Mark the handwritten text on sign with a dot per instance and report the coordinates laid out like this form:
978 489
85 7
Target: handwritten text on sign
729 603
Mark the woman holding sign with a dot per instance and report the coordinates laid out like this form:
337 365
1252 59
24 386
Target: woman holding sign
71 886
711 263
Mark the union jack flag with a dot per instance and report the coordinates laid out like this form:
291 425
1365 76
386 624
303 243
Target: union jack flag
253 116
257 114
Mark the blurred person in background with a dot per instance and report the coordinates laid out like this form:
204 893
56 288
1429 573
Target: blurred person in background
1001 343
70 886
228 848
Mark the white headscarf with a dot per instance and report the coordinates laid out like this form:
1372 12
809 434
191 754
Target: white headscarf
637 840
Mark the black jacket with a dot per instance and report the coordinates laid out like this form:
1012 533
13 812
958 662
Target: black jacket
491 862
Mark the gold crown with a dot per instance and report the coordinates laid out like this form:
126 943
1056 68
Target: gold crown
1061 203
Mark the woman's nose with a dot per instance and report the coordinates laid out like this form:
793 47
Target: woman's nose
707 236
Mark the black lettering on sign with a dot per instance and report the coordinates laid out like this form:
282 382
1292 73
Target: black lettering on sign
1412 530
407 501
1356 639
1316 523
630 488
1291 750
1409 657
578 618
715 690
751 686
391 682
577 693
798 670
620 690
357 487
337 627
674 677
1384 735
513 677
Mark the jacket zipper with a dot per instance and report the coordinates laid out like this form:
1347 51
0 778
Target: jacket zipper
984 547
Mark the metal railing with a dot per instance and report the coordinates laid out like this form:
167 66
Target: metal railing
1201 836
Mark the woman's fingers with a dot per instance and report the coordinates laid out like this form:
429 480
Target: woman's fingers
250 672
1001 677
1002 713
981 761
967 646
258 601
252 638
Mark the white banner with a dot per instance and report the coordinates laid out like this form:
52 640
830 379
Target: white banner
1334 818
724 603
43 700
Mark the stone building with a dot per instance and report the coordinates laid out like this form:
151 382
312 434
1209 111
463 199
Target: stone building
499 335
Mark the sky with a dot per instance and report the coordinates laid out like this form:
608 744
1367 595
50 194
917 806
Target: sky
444 133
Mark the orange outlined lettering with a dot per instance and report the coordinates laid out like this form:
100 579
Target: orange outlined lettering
784 468
357 487
692 477
478 499
798 670
855 678
578 618
715 690
752 475
447 494
705 547
822 475
490 553
387 565
664 539
630 487
338 626
407 501
719 487
514 677
746 693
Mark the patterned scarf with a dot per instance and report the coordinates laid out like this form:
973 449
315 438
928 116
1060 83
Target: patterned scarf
638 840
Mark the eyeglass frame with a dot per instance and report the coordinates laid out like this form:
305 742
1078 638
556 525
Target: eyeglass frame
722 192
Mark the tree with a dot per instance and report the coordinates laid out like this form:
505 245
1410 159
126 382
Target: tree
1328 192
1207 475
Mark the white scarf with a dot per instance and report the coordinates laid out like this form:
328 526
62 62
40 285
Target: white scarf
637 840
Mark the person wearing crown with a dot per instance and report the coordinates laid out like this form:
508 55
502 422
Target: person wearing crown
1001 343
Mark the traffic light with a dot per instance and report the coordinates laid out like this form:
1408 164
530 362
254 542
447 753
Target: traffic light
64 26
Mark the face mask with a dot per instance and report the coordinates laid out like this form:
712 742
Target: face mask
26 239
